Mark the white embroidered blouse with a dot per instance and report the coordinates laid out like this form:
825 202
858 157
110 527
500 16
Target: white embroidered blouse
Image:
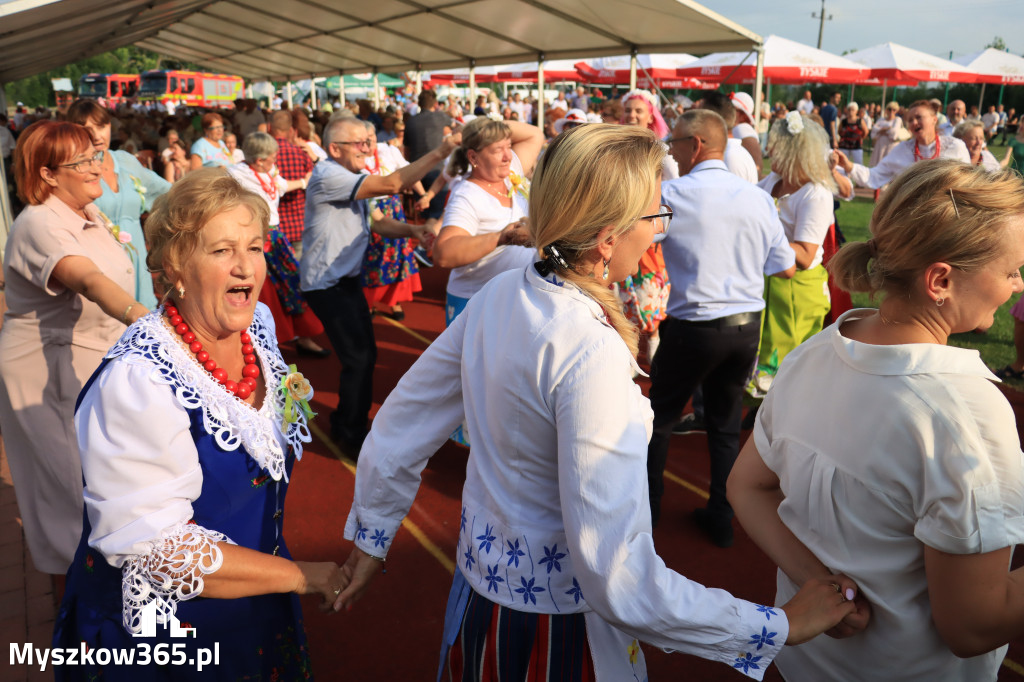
141 465
555 512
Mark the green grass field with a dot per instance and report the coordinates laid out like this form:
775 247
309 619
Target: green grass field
995 346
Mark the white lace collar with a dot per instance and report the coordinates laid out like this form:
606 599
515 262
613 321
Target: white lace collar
229 420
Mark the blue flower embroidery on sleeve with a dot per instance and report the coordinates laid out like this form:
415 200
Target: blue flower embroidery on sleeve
528 589
379 538
361 533
493 578
486 539
576 591
463 527
552 557
767 611
764 638
747 662
469 558
514 553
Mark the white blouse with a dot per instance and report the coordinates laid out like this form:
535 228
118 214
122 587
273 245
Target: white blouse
555 517
902 157
881 450
806 214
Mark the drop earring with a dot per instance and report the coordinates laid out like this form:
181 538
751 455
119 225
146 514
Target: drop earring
181 292
605 276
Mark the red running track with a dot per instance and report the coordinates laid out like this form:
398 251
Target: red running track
394 633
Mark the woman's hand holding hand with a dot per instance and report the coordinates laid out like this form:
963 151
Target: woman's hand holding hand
358 571
324 578
423 203
855 622
820 605
841 159
516 234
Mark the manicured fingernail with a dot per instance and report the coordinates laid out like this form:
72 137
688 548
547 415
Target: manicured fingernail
849 593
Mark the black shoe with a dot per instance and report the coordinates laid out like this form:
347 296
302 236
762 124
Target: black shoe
749 420
718 530
309 352
396 315
690 423
349 447
421 255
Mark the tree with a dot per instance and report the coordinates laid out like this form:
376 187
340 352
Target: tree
38 91
997 43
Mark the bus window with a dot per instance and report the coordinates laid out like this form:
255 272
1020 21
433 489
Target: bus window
191 85
174 85
129 89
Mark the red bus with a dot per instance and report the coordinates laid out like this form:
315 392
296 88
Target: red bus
191 88
113 87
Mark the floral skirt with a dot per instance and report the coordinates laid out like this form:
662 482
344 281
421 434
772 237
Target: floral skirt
644 295
388 262
282 293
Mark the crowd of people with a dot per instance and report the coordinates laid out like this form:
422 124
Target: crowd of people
160 261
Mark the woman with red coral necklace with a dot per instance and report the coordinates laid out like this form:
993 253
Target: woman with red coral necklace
926 143
188 433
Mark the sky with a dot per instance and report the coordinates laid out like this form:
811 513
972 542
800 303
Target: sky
933 26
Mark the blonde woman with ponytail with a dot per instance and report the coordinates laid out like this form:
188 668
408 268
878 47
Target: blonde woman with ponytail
555 532
885 454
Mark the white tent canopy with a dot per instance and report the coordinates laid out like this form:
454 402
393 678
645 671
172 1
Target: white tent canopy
995 66
294 39
785 61
892 62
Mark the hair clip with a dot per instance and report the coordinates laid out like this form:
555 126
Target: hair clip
953 199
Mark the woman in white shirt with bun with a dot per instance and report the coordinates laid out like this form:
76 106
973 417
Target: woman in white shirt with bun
557 570
886 454
802 185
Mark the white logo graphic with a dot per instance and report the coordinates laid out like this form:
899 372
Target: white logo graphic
148 622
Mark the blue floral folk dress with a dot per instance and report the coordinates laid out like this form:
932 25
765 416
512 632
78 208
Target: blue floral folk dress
246 458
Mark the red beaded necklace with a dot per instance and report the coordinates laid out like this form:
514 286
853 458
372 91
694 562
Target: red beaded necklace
269 191
917 150
241 389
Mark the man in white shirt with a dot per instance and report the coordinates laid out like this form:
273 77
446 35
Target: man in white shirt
581 101
725 238
990 120
956 113
738 159
806 105
516 104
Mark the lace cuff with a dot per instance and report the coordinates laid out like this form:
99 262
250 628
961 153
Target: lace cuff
172 571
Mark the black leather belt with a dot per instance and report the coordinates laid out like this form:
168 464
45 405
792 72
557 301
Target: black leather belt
737 320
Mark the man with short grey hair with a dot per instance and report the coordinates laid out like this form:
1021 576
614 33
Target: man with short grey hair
337 232
725 237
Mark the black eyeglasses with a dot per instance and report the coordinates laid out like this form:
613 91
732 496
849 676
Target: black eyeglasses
358 143
94 160
662 218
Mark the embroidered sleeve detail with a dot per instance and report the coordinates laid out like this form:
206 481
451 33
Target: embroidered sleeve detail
172 571
230 421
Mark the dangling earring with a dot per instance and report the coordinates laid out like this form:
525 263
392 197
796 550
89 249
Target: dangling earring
939 302
605 276
181 292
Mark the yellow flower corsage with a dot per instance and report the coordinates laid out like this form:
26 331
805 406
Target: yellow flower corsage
297 392
518 185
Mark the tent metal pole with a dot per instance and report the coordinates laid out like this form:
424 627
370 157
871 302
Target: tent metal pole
540 92
632 69
885 84
341 89
758 83
312 92
981 99
472 84
376 92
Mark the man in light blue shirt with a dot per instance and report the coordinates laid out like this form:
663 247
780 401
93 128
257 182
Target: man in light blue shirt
724 239
334 241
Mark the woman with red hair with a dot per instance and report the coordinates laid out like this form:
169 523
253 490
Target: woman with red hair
67 276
